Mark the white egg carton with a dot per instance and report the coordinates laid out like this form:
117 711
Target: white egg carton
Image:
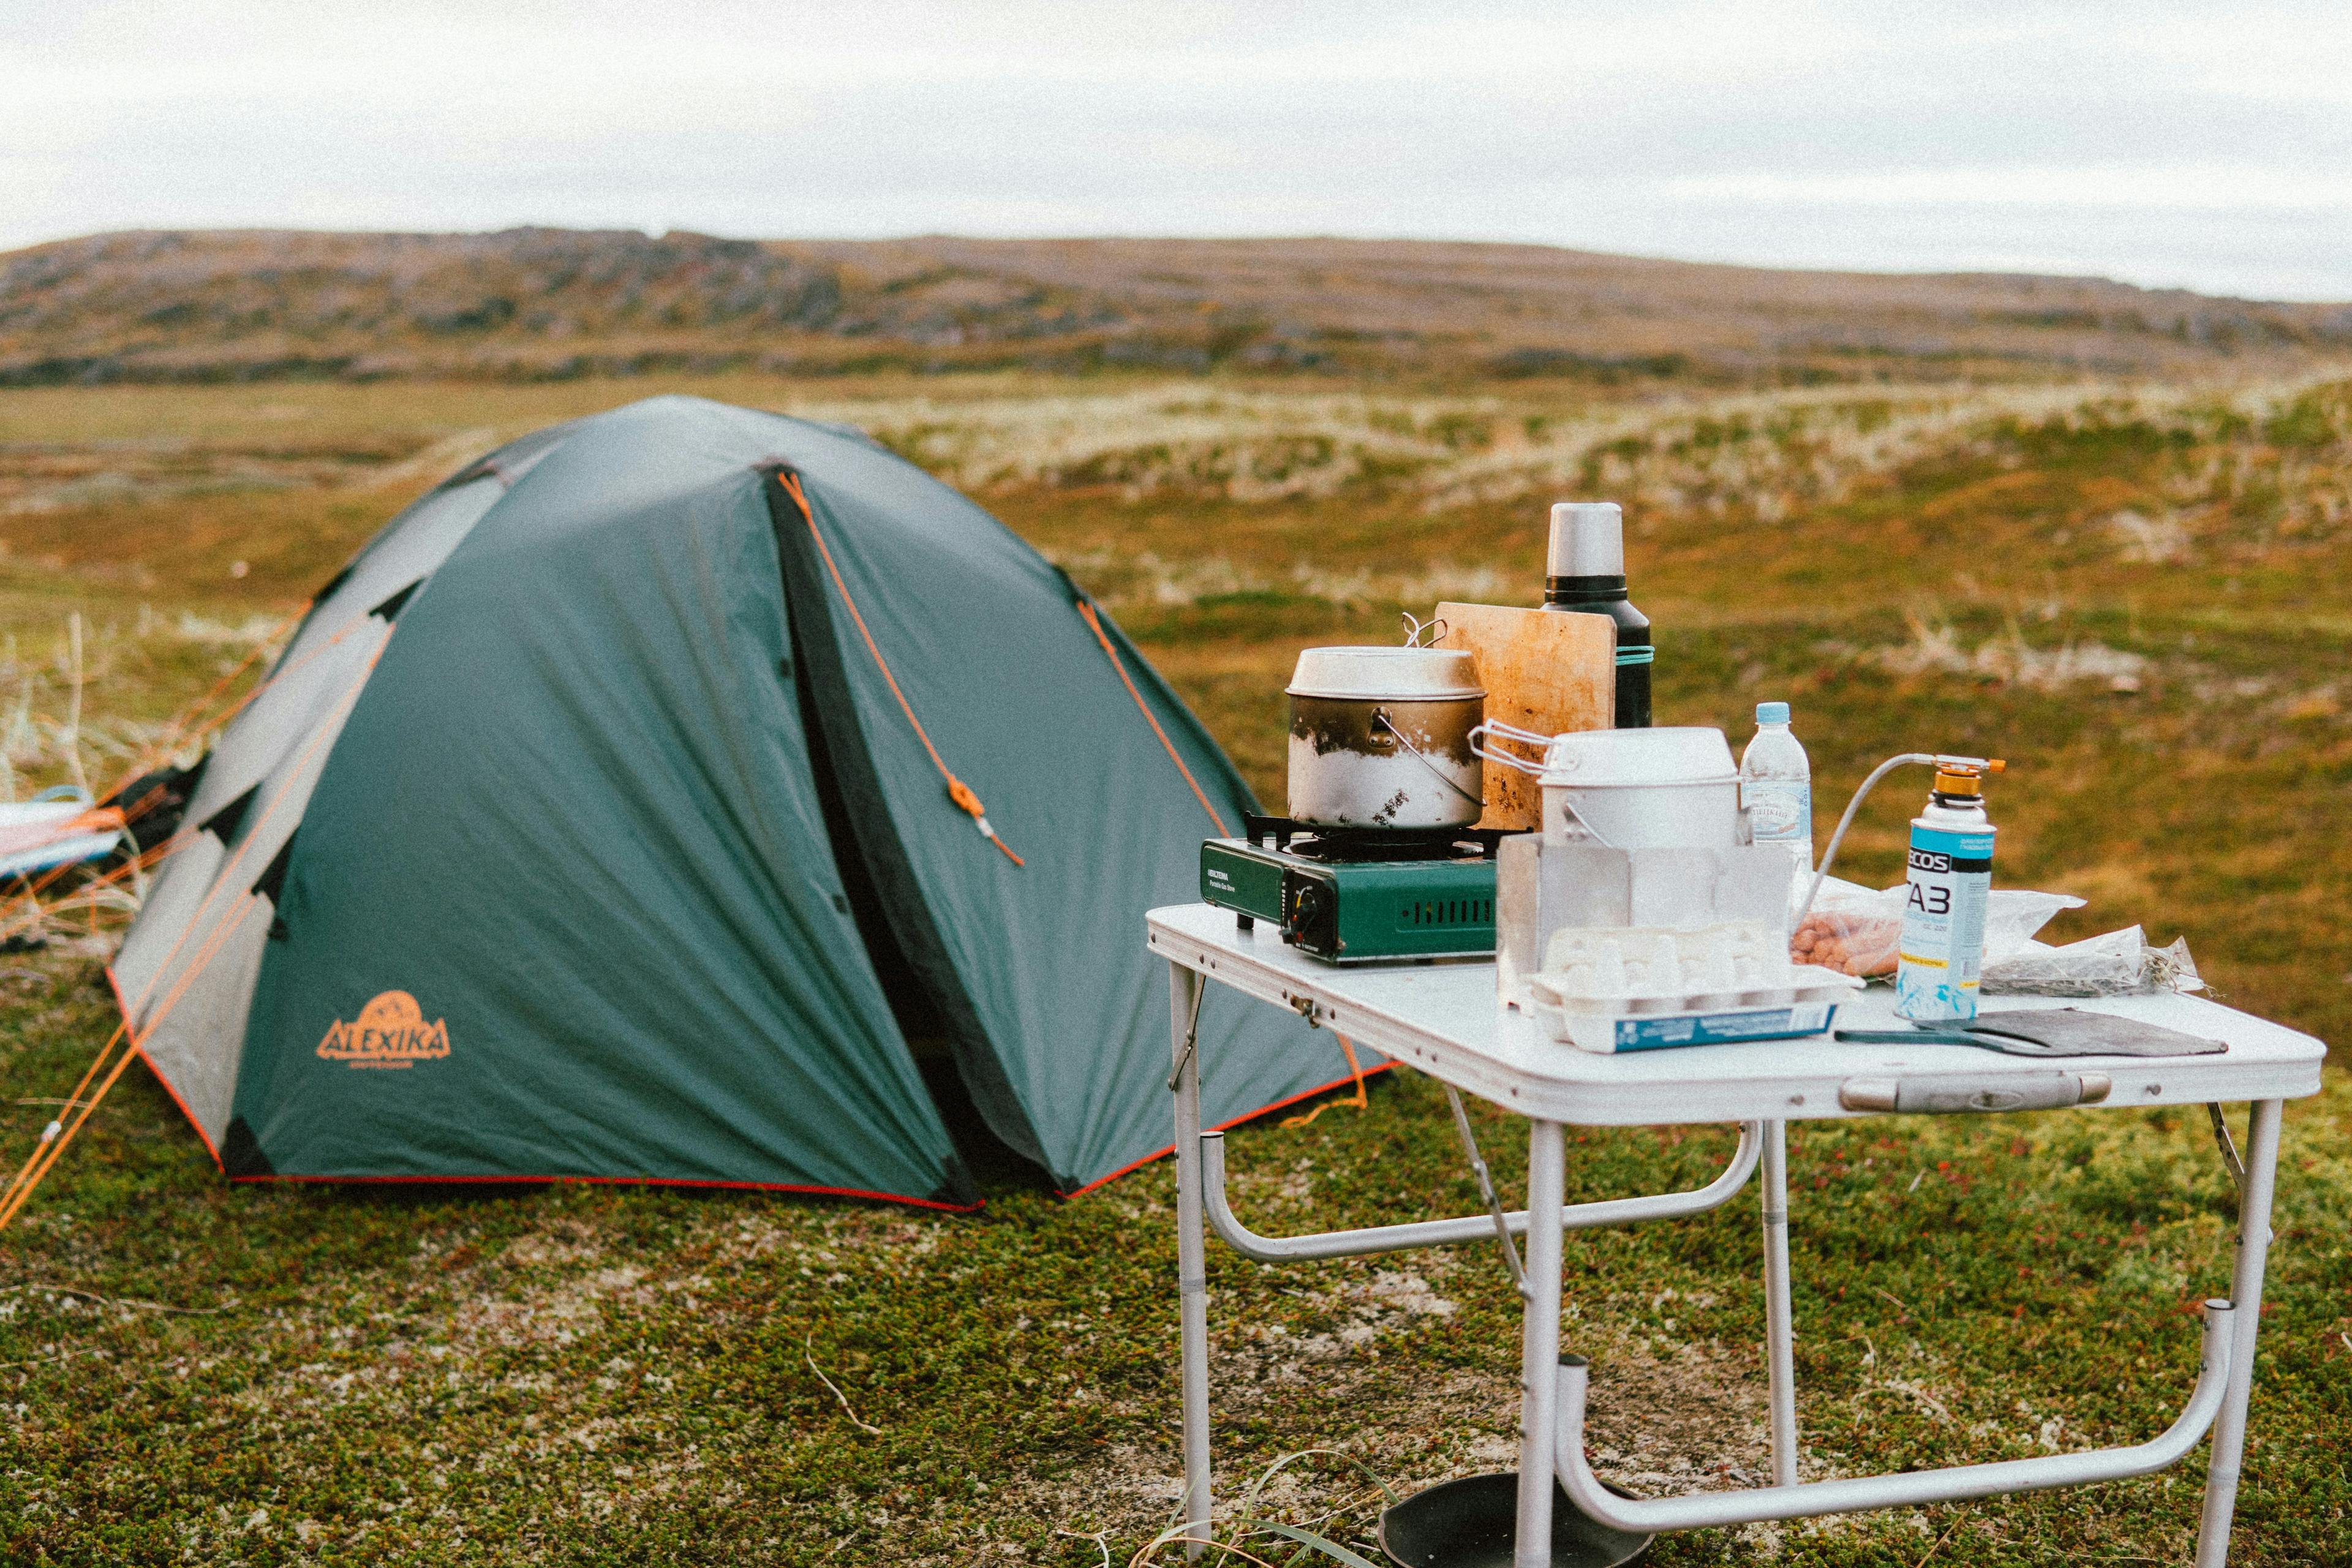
1616 988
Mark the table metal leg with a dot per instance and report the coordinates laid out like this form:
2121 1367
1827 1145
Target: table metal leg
1540 1346
1192 1255
1780 1328
2246 1292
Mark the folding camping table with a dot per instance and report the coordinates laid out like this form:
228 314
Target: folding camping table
1444 1018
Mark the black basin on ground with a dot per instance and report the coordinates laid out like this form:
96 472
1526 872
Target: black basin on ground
1473 1523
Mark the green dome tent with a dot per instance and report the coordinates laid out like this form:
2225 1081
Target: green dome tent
600 811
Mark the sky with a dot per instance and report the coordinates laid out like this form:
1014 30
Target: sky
2206 146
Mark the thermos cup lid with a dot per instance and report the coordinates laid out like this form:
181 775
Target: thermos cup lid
1588 539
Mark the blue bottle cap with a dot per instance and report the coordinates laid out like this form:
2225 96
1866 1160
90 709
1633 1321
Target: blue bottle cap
1772 713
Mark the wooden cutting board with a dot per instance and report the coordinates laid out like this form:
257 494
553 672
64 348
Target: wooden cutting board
1547 671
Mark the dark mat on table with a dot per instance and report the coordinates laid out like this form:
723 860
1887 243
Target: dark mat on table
2071 1032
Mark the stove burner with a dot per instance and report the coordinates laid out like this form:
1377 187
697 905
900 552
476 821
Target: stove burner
1345 845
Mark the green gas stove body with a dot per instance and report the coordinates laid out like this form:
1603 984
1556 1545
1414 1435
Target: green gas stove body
1373 900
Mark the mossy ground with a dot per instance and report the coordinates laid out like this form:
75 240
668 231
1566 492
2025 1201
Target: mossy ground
192 1371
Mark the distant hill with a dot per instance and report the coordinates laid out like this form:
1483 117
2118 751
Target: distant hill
532 303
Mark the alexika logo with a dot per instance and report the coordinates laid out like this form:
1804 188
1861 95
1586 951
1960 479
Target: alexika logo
390 1032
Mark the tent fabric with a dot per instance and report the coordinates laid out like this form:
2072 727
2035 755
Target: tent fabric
544 852
184 980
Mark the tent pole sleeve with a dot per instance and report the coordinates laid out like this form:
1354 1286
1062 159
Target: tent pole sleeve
1184 987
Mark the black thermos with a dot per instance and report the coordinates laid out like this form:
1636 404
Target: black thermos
1586 572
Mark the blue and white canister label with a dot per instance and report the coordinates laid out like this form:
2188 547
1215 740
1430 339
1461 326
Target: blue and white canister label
1941 953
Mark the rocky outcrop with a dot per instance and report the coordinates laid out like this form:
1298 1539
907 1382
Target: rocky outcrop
541 303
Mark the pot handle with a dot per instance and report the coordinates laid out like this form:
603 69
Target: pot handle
1497 730
1381 716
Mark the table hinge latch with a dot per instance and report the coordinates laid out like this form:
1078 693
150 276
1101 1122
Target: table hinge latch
1191 1035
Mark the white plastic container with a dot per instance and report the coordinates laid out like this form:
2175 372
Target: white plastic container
1544 890
1776 789
1673 788
1807 1009
1631 988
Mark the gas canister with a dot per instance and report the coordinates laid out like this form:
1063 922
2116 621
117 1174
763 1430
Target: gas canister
1950 876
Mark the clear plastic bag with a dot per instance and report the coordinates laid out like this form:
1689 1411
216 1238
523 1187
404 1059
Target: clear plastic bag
1856 930
1851 929
2119 963
2013 914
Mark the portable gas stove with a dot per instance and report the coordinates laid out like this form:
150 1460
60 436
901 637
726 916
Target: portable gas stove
1359 896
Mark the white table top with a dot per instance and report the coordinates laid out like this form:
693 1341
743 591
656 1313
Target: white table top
1445 1018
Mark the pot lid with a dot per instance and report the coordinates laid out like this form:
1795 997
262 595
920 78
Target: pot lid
1387 674
1676 754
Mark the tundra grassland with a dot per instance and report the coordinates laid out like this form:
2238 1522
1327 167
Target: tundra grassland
2140 593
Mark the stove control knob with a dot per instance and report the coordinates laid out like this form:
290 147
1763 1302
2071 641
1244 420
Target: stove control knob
1314 922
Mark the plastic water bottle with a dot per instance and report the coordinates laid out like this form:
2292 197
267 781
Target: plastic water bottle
1776 785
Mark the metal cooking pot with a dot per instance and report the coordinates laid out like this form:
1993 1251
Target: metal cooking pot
1380 738
1669 788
